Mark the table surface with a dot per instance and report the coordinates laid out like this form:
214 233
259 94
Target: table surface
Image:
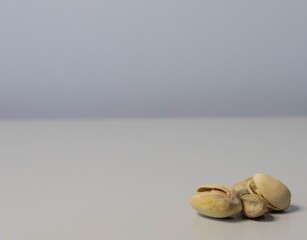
132 179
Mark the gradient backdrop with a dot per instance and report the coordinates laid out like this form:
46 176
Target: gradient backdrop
154 58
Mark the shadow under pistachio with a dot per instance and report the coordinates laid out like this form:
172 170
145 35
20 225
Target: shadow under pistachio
264 218
240 218
291 209
233 219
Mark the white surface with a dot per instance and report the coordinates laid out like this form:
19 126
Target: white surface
131 179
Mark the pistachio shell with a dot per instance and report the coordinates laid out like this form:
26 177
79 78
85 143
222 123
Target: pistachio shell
252 188
274 191
241 187
253 205
215 200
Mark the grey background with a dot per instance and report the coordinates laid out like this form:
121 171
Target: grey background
137 58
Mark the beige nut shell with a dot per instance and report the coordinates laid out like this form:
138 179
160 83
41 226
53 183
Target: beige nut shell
253 205
242 187
274 191
215 200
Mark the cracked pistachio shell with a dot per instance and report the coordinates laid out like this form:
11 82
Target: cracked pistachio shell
215 200
253 205
274 191
242 187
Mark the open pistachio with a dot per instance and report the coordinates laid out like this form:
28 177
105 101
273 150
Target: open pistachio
215 200
242 187
253 205
274 191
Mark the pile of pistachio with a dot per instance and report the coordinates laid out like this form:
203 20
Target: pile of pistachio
253 197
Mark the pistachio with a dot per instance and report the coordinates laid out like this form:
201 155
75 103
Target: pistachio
273 190
253 205
215 200
242 187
